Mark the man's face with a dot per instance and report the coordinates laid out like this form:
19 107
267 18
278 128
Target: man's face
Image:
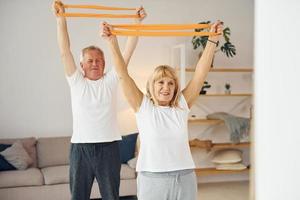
93 64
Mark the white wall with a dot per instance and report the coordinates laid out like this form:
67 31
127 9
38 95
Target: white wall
34 96
277 99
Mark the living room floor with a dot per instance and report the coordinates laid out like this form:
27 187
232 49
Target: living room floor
224 191
219 191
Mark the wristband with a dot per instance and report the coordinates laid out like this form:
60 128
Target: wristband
216 43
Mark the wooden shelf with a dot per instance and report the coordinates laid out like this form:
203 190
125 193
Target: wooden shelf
231 70
206 121
188 69
226 95
213 171
230 145
209 145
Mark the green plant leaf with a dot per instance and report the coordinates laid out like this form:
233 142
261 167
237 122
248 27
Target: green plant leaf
226 34
200 41
228 49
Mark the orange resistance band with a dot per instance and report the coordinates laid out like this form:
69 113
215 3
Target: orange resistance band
161 26
144 33
94 15
97 7
137 27
97 15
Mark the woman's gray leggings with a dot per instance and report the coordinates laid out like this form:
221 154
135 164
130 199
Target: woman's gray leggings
175 185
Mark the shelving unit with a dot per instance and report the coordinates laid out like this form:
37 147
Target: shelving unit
220 69
208 144
226 95
182 70
213 171
206 121
230 145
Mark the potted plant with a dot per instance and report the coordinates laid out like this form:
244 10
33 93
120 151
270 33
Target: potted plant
227 47
227 88
205 85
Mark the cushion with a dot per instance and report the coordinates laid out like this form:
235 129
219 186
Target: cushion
17 156
231 166
4 165
127 172
19 178
132 162
127 147
60 174
227 156
53 151
4 146
56 174
28 143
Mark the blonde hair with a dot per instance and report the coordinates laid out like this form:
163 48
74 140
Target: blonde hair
161 72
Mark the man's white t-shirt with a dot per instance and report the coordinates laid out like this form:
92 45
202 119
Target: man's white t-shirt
164 143
94 108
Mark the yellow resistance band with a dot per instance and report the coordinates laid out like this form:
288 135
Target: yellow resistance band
137 27
94 15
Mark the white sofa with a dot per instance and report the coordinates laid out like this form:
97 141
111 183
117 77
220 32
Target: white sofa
48 177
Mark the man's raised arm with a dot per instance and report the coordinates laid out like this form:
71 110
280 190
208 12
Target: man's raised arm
63 39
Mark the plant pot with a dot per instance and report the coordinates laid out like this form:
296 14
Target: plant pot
202 92
227 91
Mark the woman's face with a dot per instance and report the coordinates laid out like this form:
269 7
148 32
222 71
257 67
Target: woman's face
164 89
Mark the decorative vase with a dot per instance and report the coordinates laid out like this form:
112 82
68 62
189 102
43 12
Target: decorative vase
203 92
227 88
227 91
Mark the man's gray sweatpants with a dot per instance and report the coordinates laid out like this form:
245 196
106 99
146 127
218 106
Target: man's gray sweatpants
175 185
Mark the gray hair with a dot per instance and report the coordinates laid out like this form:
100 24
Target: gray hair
89 48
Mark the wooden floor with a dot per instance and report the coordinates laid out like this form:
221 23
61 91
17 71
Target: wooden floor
224 191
